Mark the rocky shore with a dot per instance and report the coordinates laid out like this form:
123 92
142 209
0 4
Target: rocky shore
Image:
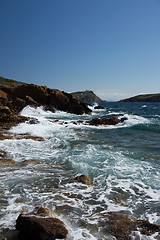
42 223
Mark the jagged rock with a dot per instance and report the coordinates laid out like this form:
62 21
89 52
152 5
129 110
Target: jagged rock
40 225
122 226
49 108
4 111
83 179
76 109
104 121
30 101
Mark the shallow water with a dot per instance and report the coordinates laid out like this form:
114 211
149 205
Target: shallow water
123 161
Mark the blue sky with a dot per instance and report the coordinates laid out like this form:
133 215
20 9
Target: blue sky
109 46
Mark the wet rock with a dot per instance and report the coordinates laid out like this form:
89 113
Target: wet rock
98 107
84 179
76 109
33 121
7 162
3 154
1 191
104 121
123 119
49 108
123 226
40 225
35 138
25 162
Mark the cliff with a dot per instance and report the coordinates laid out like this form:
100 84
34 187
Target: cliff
87 96
143 98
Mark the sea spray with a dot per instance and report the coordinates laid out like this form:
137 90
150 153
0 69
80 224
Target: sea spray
122 160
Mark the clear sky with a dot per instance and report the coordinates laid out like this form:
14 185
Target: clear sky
109 46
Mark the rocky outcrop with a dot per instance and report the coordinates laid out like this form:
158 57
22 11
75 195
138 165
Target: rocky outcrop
14 99
84 179
123 226
106 121
42 224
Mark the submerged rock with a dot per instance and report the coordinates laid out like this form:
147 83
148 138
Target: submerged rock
84 179
40 225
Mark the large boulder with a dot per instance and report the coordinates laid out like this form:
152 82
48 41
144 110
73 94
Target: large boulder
104 121
37 93
40 225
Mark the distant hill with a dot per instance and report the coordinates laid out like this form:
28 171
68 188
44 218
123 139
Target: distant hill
87 96
9 82
143 98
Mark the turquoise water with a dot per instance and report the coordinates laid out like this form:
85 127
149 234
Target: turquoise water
123 161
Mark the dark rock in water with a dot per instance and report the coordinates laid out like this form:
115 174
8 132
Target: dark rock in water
123 119
123 226
76 109
3 154
33 121
40 225
83 179
104 121
98 107
49 108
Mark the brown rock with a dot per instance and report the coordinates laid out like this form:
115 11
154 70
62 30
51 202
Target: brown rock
40 226
83 179
104 121
25 162
7 161
3 97
30 101
4 111
122 225
3 154
35 138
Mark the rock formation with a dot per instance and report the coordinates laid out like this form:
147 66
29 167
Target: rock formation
14 99
41 224
106 121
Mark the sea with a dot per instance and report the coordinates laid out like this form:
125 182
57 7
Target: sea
123 161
